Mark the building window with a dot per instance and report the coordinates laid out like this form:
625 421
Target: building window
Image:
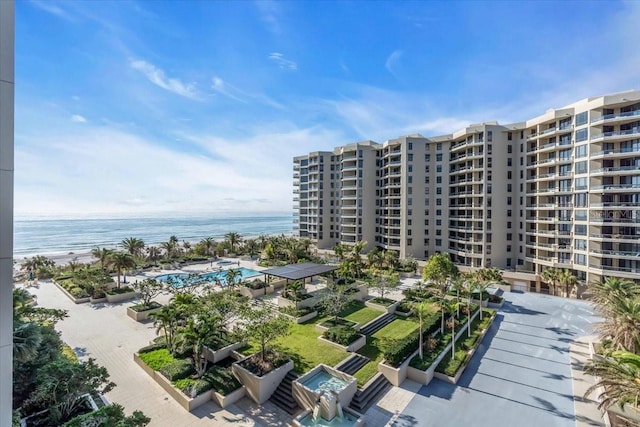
509 201
489 135
438 202
438 157
438 212
409 168
509 236
581 135
439 146
509 147
580 259
509 161
438 242
508 224
581 151
438 222
581 167
409 242
410 157
438 232
508 188
438 180
509 212
509 136
410 146
582 118
438 190
439 169
580 230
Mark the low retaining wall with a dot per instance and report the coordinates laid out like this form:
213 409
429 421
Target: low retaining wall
229 399
215 356
255 293
71 297
141 315
121 297
301 319
389 309
260 389
354 346
396 376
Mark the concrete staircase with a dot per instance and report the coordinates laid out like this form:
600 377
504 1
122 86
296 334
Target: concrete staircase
365 397
378 324
283 396
353 364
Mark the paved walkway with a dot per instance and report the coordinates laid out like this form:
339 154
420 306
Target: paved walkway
521 374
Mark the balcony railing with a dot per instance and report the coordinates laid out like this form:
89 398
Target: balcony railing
616 116
633 150
615 187
635 131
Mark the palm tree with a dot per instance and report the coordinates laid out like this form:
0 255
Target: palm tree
251 247
208 243
73 266
121 261
391 258
263 240
153 253
187 247
438 271
619 377
291 249
133 245
375 258
422 310
566 278
340 250
231 276
167 321
169 248
451 307
550 276
199 331
233 239
469 284
606 294
102 254
355 257
622 325
26 341
293 291
481 287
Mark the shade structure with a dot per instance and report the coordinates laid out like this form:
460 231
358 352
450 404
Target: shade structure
299 271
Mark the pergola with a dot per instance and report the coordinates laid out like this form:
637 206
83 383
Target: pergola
299 271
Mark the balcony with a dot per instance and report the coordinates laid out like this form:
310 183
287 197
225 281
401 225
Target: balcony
617 153
614 268
615 135
604 171
633 254
608 118
615 187
616 237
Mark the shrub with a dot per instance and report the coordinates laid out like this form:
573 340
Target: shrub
395 350
221 379
77 292
116 291
69 353
292 311
255 284
157 359
329 323
343 335
152 347
404 307
177 370
142 307
496 299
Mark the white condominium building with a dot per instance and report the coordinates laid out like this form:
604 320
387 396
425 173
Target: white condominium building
559 190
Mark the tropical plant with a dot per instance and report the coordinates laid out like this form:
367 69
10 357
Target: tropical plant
232 277
293 290
102 255
335 301
422 311
233 239
133 245
167 321
251 246
568 280
384 281
550 276
606 294
355 257
619 377
208 243
622 325
391 259
439 270
200 330
153 254
375 258
26 341
451 307
121 261
147 289
264 325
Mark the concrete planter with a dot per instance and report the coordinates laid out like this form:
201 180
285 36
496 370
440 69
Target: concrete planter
139 316
396 376
354 346
260 389
308 398
71 297
360 419
425 377
389 309
215 356
362 294
301 319
456 377
121 297
229 399
496 305
309 302
97 300
484 303
402 314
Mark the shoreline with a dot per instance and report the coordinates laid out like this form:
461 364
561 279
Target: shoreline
84 255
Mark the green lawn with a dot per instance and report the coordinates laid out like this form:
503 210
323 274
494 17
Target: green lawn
399 328
303 346
360 313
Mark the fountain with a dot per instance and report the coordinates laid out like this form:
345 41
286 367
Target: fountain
326 393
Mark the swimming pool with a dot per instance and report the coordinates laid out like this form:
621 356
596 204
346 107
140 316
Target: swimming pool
183 279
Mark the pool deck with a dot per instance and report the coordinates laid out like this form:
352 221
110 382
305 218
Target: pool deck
526 373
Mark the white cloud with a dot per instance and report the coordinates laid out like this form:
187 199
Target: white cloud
282 62
76 118
52 8
158 77
392 61
226 89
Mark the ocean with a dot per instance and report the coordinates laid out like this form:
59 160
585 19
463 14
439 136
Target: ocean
62 236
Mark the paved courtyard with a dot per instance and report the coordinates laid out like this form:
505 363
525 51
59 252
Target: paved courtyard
520 376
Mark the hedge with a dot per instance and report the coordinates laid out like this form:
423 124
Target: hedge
157 359
177 370
343 335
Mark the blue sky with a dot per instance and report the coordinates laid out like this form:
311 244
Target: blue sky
141 107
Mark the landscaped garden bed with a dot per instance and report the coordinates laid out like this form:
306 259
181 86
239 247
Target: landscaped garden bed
384 304
344 337
262 375
405 308
141 312
451 368
124 293
332 322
